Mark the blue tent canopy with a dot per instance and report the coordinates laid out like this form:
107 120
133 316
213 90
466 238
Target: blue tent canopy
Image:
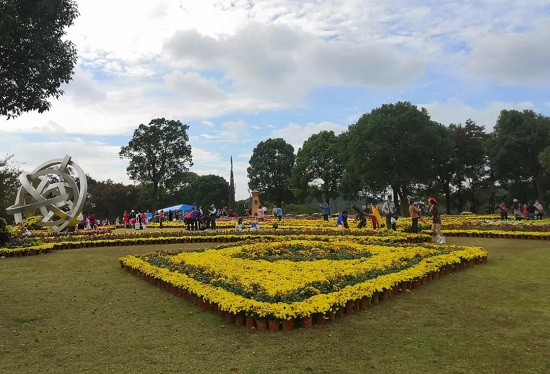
183 207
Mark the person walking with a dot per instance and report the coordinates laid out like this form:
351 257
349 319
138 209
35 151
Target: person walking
325 208
213 213
161 218
540 210
436 220
279 213
388 209
415 213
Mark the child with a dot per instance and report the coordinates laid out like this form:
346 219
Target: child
254 226
239 225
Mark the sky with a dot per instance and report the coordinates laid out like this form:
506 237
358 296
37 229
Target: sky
239 72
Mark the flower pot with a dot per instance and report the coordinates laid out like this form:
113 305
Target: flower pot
273 324
307 322
320 319
385 295
340 312
357 306
288 324
261 324
375 299
349 307
229 318
239 320
365 302
250 322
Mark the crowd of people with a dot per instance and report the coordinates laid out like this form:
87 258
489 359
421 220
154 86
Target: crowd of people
517 210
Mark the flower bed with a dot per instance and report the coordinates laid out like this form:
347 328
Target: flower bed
538 235
298 281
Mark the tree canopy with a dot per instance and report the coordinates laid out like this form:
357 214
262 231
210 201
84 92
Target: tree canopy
318 167
210 189
34 58
270 170
157 152
9 184
515 145
396 145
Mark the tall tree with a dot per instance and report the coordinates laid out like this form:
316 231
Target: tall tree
515 144
318 167
544 159
270 170
35 58
396 145
9 184
467 164
157 152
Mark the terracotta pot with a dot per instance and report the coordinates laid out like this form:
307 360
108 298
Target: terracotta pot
331 315
357 306
365 302
229 318
320 319
261 324
288 324
239 320
415 284
349 307
273 324
250 322
375 299
385 295
340 312
307 322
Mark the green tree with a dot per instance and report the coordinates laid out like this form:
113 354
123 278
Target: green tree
179 189
318 167
463 163
515 144
270 170
110 199
35 58
544 159
9 184
157 152
396 145
210 189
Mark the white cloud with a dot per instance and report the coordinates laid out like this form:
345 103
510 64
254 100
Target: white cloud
456 111
514 58
296 134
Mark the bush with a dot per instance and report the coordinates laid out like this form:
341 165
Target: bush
5 232
32 223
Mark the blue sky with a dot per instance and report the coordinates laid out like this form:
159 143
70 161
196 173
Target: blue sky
240 72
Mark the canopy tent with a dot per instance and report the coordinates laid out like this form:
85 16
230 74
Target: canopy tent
183 207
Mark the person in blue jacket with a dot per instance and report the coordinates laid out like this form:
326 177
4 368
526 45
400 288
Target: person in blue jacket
326 210
342 221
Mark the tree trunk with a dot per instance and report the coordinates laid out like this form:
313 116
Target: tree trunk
155 196
447 192
460 199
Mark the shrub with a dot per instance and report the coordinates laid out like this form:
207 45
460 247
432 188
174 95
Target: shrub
5 232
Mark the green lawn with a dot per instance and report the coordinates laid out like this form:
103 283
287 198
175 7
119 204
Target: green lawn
77 311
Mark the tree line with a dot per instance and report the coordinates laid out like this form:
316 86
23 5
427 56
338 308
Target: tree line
395 149
398 149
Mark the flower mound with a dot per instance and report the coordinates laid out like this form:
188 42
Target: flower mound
297 278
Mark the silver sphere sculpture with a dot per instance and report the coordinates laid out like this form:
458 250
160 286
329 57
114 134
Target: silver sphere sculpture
56 190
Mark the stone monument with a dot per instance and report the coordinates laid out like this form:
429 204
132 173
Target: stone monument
55 190
255 202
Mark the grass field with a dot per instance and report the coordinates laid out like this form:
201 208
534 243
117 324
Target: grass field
77 311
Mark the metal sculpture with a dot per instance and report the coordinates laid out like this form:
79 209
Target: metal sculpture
56 190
